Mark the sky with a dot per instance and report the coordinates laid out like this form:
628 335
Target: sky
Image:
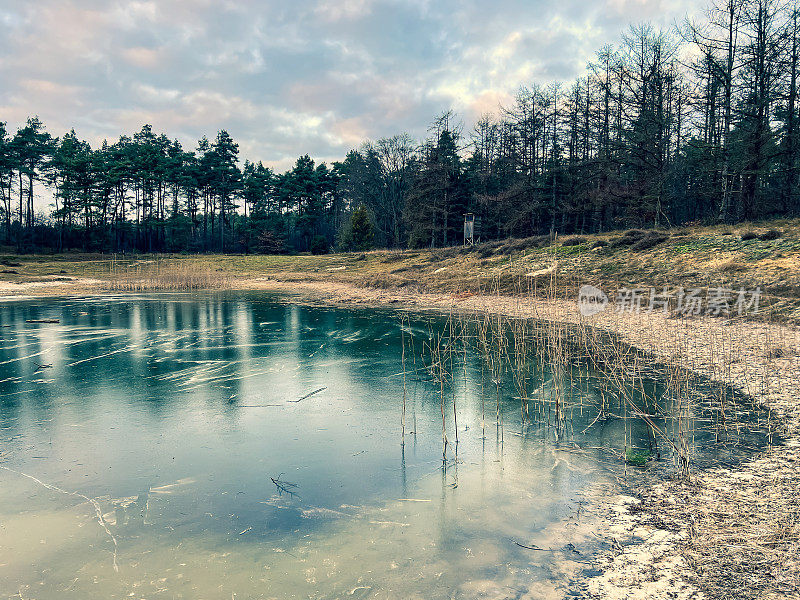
288 78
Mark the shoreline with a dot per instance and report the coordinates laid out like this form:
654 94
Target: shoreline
662 543
724 533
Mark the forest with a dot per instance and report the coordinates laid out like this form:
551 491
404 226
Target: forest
697 124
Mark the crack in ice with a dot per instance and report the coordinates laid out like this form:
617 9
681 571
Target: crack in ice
100 520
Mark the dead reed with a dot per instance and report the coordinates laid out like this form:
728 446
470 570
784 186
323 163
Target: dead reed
556 368
165 274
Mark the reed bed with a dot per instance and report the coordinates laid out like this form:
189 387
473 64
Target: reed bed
164 274
553 368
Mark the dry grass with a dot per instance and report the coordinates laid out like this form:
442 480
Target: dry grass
166 275
743 531
691 257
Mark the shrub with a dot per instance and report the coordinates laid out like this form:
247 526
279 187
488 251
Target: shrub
513 244
634 233
624 241
573 241
440 254
649 241
636 457
749 235
629 238
772 234
269 242
485 250
319 245
536 241
519 244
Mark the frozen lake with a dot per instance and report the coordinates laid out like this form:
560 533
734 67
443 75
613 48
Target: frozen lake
236 445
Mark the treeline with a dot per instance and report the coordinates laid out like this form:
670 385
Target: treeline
697 124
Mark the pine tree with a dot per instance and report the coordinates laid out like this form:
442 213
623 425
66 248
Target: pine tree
361 230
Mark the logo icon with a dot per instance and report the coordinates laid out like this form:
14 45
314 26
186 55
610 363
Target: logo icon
591 300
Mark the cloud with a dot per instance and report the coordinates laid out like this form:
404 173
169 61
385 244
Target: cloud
338 10
138 56
311 76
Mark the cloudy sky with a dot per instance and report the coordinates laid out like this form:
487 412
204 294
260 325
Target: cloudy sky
292 77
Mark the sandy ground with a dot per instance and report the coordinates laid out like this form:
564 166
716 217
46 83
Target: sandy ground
722 534
51 286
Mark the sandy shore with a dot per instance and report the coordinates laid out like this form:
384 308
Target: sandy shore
723 534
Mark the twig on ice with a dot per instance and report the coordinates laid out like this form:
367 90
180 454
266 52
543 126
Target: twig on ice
309 395
284 487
